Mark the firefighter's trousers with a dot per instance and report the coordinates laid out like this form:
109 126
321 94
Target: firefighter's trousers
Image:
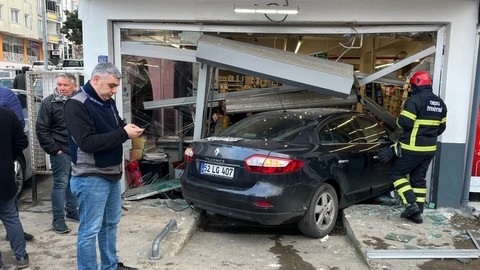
408 176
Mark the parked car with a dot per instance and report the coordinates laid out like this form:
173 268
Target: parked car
278 167
70 64
8 72
6 82
38 65
23 163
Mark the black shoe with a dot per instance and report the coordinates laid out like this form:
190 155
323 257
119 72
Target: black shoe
412 212
59 226
120 266
28 238
416 218
23 262
73 216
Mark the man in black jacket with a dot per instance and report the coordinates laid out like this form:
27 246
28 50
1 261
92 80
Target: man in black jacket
423 119
13 141
52 135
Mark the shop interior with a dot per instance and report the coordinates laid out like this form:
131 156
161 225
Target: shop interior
169 127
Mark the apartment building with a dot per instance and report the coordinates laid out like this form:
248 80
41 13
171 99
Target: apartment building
67 49
21 31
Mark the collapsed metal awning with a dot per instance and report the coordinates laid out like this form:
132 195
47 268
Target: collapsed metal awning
303 71
281 100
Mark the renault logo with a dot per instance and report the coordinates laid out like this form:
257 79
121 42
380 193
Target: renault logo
217 151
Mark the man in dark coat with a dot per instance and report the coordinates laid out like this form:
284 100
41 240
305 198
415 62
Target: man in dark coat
52 135
20 81
13 141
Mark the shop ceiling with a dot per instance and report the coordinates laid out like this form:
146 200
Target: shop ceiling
366 52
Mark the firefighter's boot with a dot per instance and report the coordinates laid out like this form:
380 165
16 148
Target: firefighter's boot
420 206
412 212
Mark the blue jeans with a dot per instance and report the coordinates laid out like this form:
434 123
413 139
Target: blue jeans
62 196
100 211
13 226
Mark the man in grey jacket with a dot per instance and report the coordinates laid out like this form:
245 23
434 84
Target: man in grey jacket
52 135
97 133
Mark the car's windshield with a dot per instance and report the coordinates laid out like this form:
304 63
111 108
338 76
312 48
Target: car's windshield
278 127
6 82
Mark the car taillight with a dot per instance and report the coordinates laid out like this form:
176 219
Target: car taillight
272 165
263 204
189 154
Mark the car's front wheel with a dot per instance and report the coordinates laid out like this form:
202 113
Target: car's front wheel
19 175
321 215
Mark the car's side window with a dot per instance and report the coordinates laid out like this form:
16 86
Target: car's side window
325 135
372 130
341 130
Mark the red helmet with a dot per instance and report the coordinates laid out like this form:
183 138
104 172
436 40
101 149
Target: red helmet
420 78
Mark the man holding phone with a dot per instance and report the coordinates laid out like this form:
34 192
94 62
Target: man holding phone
96 136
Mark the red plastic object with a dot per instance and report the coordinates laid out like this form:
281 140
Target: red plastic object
134 174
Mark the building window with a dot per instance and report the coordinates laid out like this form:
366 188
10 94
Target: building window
13 49
33 51
14 13
40 27
28 21
1 12
51 6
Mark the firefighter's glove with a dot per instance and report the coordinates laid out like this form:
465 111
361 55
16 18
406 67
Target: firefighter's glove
385 154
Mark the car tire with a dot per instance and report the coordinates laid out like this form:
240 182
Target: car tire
19 175
321 215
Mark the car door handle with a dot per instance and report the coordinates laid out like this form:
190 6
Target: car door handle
343 161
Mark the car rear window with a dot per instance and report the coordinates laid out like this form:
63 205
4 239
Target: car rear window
72 63
271 127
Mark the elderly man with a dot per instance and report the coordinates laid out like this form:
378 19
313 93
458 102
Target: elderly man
52 135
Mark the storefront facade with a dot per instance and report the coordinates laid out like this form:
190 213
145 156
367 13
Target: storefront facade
109 26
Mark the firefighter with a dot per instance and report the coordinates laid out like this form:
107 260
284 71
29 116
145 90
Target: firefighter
422 119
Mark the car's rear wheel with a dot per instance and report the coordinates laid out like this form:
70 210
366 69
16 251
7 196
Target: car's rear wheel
19 175
321 215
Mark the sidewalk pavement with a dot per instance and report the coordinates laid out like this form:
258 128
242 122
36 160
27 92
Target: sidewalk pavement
374 228
370 227
141 223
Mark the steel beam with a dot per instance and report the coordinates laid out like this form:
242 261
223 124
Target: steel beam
156 51
397 66
315 74
280 100
201 101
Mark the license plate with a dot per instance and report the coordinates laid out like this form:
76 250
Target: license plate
217 170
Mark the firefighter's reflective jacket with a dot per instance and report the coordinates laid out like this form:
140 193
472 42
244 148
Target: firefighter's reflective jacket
423 118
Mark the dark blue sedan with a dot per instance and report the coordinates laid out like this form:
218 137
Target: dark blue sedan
289 166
